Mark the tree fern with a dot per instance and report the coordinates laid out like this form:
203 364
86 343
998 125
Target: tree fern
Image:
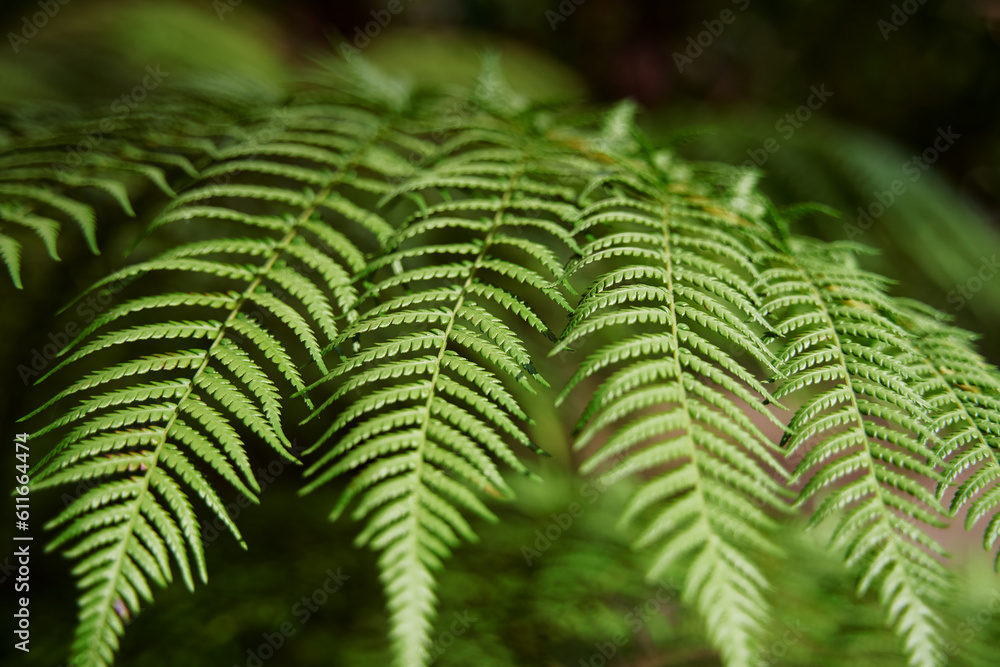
407 268
677 283
427 402
160 414
865 430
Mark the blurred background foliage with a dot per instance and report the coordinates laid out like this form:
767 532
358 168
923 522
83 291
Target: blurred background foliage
895 77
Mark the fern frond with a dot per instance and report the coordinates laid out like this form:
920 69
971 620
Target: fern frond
428 416
866 430
48 178
402 257
144 429
676 300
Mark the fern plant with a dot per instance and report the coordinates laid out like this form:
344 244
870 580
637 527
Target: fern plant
153 415
408 264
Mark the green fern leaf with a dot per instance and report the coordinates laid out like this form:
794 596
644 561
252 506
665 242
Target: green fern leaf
427 415
841 338
668 296
44 178
964 394
149 425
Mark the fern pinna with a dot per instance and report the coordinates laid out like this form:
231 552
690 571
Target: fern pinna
53 166
152 426
408 267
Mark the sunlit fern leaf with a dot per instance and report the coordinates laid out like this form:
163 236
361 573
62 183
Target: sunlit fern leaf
145 431
864 430
675 297
426 404
963 391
